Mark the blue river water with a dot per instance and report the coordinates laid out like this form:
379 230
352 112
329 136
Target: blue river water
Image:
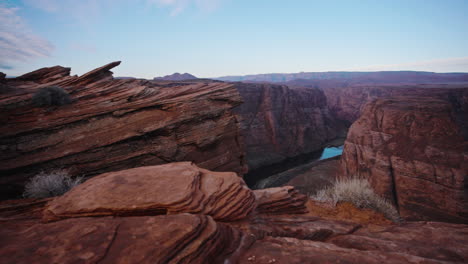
331 152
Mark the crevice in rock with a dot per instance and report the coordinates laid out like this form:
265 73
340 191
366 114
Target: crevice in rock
109 246
394 187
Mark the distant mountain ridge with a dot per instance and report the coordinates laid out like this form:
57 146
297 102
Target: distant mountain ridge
177 77
378 77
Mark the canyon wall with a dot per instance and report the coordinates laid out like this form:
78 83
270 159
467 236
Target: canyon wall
114 124
278 122
414 151
346 101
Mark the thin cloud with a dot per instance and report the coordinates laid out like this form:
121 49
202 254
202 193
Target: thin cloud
82 10
17 42
178 6
438 65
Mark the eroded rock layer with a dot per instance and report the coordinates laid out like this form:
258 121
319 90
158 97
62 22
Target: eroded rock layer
182 238
154 190
414 152
280 200
114 124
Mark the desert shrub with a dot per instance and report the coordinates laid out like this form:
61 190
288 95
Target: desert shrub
359 192
49 96
50 184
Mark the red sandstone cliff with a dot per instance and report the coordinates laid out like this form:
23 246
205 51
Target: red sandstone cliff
414 150
114 124
278 122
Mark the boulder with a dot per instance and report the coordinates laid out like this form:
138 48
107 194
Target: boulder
173 188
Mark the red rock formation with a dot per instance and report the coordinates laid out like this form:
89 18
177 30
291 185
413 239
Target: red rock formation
173 188
115 124
414 152
279 122
183 238
259 237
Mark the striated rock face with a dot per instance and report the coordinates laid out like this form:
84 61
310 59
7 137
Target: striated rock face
115 124
414 150
165 189
279 122
267 234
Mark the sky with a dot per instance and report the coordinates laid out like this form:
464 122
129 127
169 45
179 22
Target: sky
212 38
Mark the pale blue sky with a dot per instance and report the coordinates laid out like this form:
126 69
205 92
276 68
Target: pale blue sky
211 38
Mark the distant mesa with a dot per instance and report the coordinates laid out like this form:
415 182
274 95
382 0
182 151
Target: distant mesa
124 78
353 77
177 77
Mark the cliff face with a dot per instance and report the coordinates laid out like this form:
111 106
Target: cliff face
114 124
414 150
278 122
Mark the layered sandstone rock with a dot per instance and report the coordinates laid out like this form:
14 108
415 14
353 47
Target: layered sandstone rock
165 189
182 238
415 153
279 123
115 124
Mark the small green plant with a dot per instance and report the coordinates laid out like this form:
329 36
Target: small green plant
50 96
359 192
50 184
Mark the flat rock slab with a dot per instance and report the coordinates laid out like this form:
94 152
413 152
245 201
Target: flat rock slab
295 251
435 240
172 188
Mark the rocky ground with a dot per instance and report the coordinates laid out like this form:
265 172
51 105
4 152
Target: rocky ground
136 216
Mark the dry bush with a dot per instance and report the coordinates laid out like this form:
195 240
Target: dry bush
359 192
50 96
50 184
